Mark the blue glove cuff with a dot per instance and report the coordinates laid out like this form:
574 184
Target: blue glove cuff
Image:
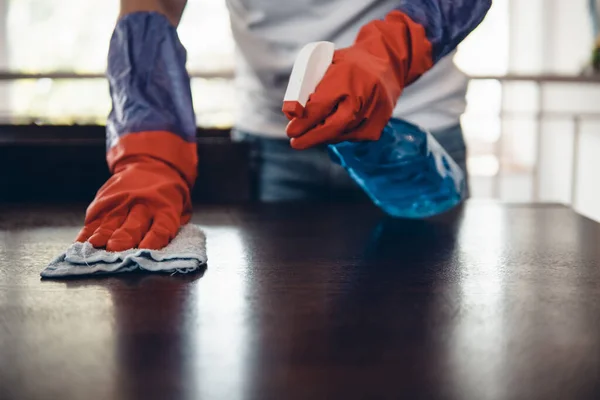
149 85
446 22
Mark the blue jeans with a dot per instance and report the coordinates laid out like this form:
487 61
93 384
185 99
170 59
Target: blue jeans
284 174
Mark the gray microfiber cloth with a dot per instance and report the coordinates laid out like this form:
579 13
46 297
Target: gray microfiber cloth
186 253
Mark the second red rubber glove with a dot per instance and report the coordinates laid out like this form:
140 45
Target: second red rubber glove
359 91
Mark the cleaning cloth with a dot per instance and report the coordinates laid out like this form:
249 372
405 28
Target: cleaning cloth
186 253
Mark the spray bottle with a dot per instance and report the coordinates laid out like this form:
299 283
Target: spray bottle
406 173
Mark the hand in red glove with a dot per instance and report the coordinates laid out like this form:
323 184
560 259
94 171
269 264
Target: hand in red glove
147 199
359 91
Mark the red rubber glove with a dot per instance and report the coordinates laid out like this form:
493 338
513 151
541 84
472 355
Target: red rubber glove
356 97
147 199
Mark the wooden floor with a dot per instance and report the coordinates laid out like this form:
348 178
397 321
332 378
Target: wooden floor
322 302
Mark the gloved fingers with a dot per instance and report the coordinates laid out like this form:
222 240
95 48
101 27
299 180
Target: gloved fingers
330 130
103 209
106 229
186 217
319 106
129 235
314 114
366 129
87 231
164 228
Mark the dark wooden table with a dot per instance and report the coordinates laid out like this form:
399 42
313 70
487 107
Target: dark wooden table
499 302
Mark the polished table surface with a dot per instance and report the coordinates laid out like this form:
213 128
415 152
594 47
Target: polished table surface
300 302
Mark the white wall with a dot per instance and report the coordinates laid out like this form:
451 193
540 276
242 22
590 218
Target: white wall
549 36
3 47
569 35
587 195
4 90
526 36
556 163
554 37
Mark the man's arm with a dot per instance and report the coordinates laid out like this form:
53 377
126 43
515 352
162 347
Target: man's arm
150 133
357 95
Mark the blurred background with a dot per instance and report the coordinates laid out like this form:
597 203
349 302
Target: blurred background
532 121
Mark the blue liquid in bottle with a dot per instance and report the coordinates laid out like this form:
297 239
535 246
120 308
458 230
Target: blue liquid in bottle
406 173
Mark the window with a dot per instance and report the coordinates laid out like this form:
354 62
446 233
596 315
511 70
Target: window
485 52
73 36
44 36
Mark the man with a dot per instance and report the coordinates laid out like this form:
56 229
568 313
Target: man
383 46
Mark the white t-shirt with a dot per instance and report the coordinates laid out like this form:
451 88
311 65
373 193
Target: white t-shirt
270 33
